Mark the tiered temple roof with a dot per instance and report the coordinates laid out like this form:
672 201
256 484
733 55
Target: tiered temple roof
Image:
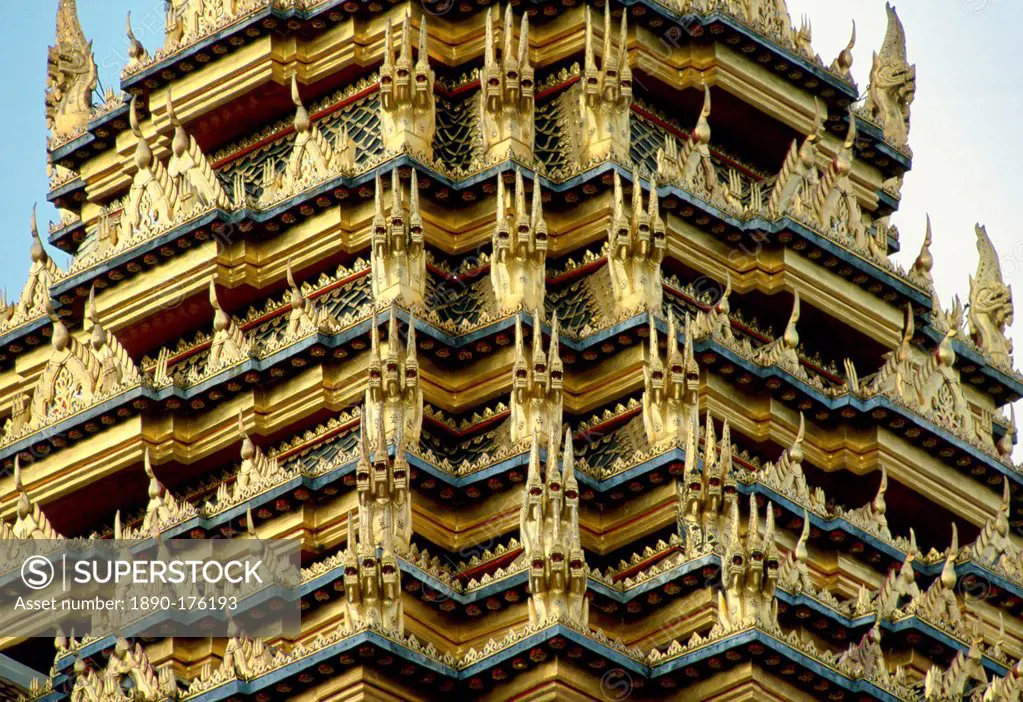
567 340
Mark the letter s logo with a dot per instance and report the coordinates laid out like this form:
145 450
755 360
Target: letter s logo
37 572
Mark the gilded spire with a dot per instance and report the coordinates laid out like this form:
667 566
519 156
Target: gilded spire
842 64
924 261
137 53
143 154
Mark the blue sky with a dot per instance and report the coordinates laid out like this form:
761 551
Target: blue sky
967 145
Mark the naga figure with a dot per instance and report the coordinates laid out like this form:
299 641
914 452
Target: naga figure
408 112
991 309
506 100
892 84
70 75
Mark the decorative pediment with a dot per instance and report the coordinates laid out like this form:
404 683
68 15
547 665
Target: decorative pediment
965 670
149 203
130 668
693 167
116 368
29 522
255 473
635 249
938 604
537 384
76 376
71 75
782 352
834 206
163 509
787 477
35 294
408 111
506 100
397 246
865 659
229 345
394 396
311 160
518 270
991 308
899 588
892 85
872 516
993 545
305 316
797 181
549 532
191 175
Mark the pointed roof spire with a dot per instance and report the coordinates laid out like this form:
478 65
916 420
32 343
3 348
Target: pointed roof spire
396 208
605 57
523 40
804 536
925 261
143 154
405 51
24 503
508 55
568 461
136 52
701 132
37 251
533 470
489 51
392 331
589 63
844 61
753 540
423 60
179 144
302 122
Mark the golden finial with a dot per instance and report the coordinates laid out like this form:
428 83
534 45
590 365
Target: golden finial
796 449
24 503
37 252
791 336
850 137
701 133
925 261
250 524
801 552
60 337
844 61
136 52
143 156
818 121
301 115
